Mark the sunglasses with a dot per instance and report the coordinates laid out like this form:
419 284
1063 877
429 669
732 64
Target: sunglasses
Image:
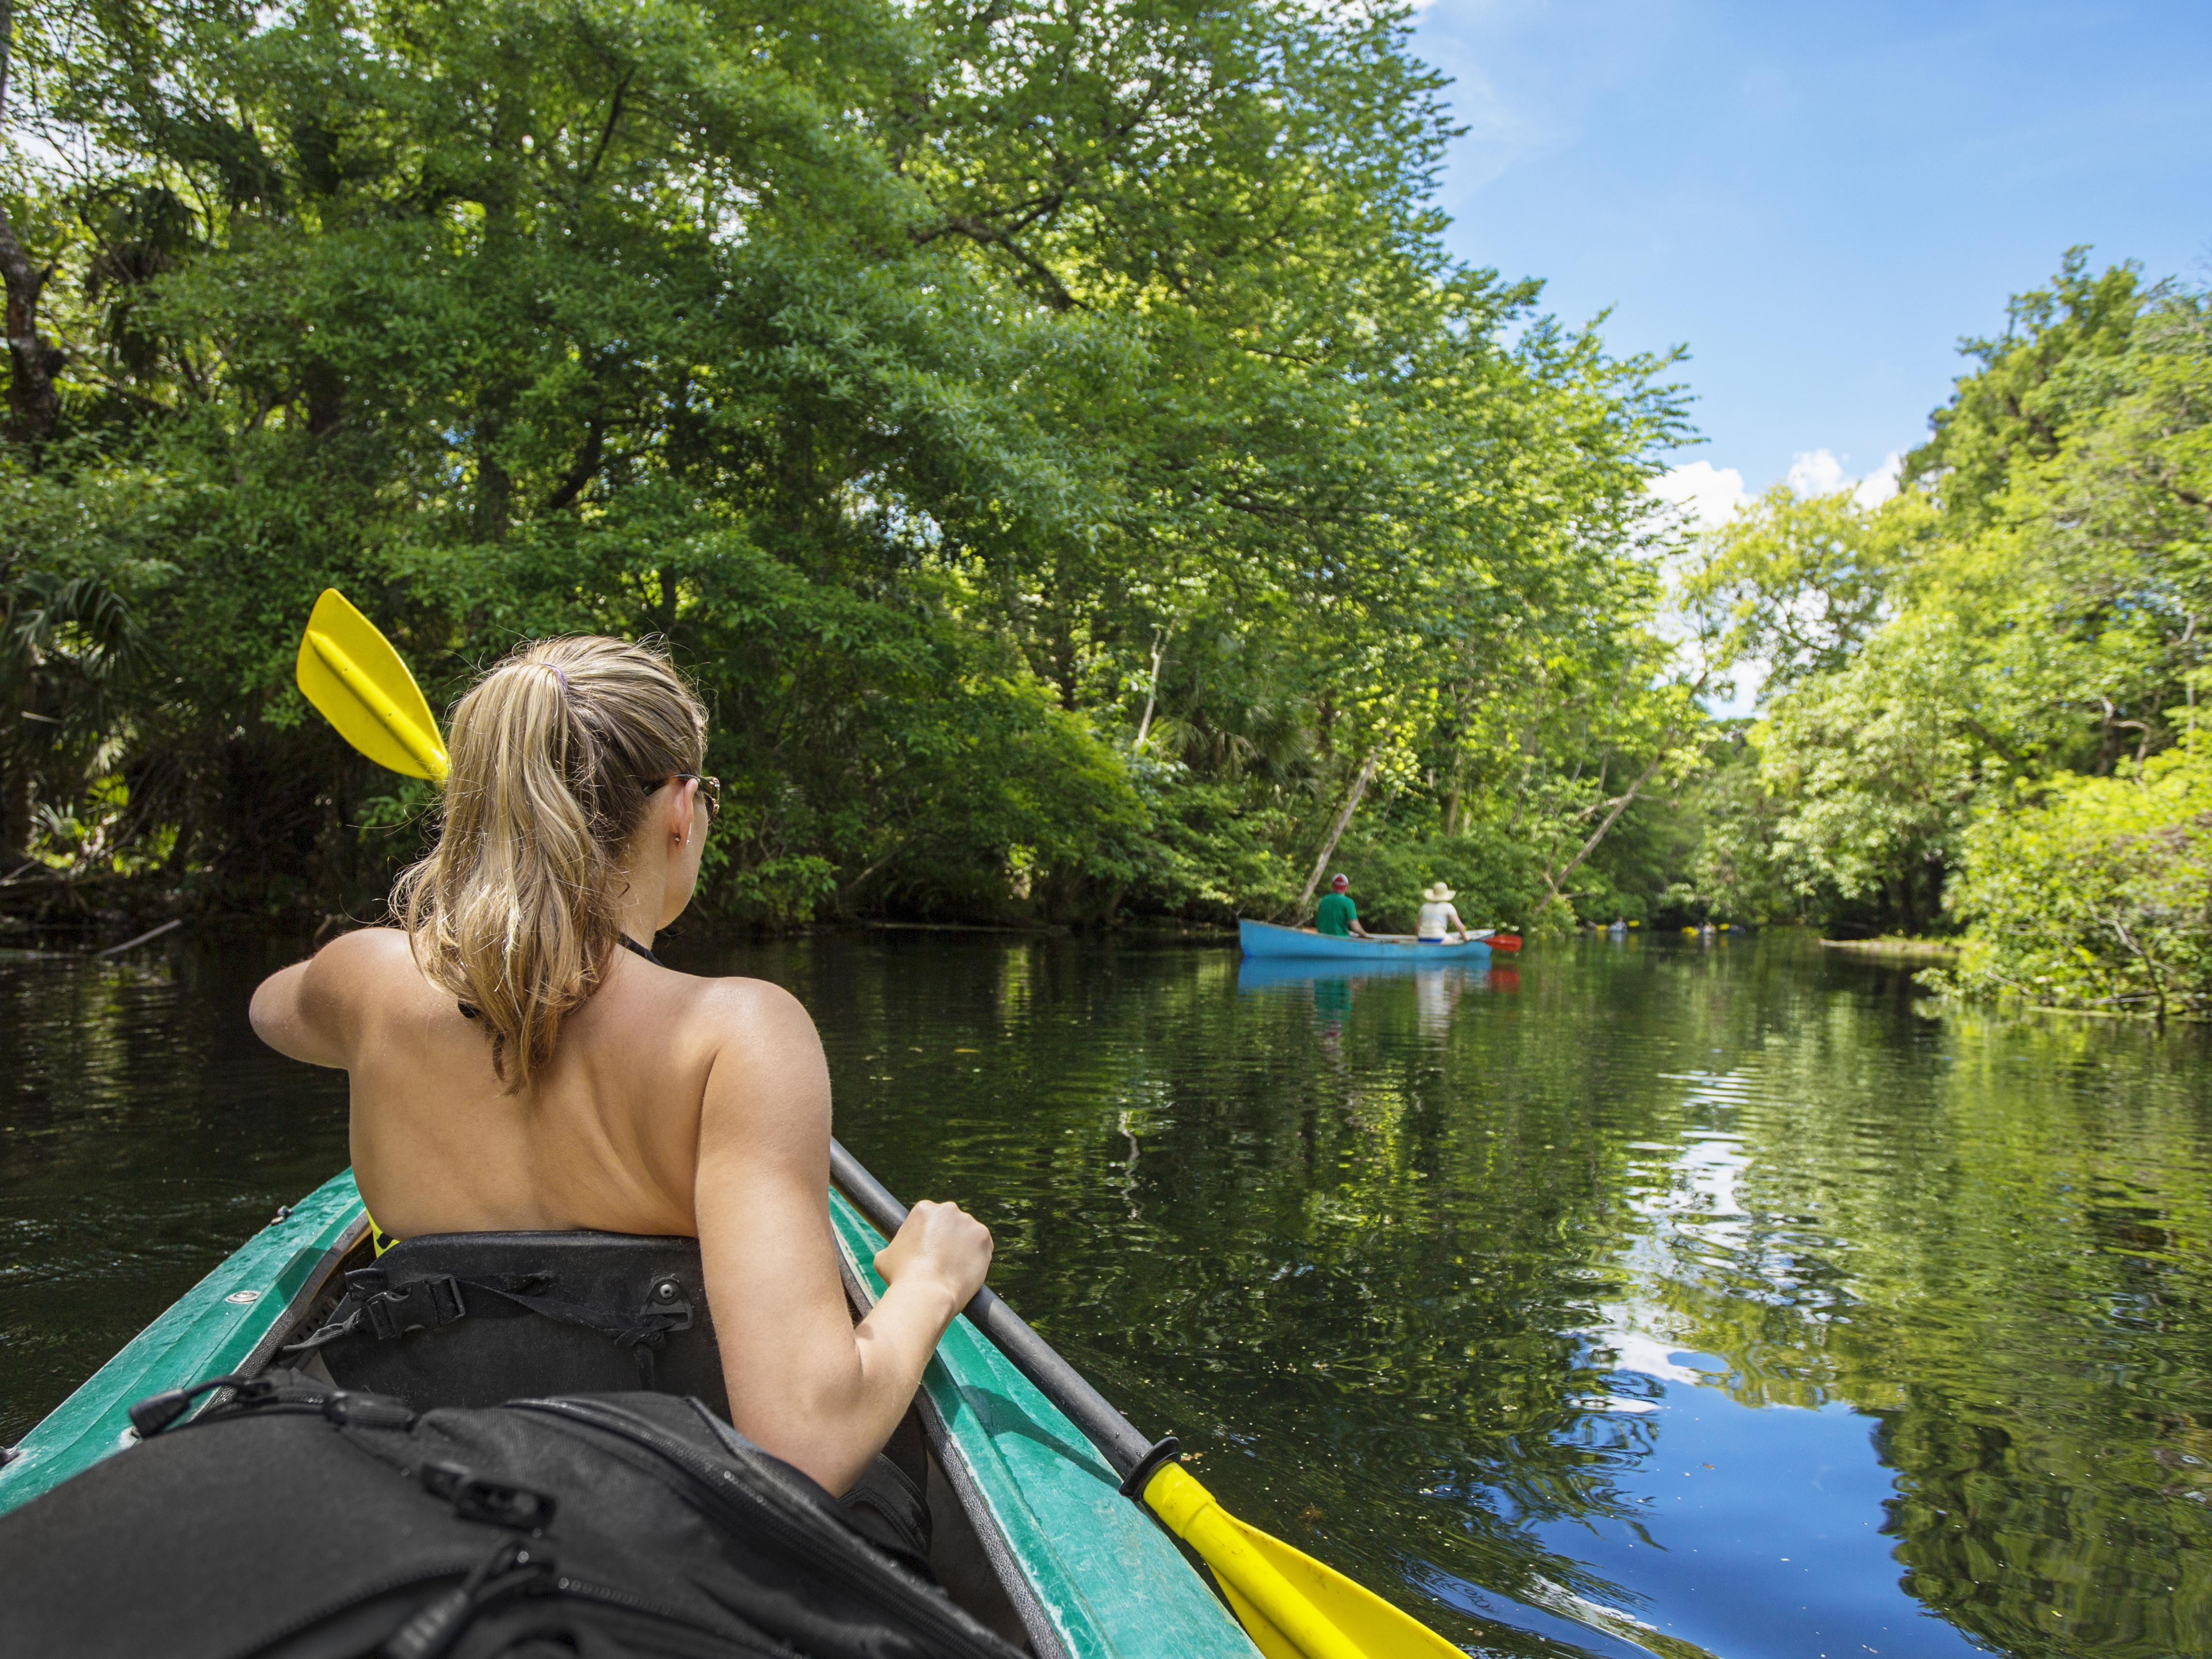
710 789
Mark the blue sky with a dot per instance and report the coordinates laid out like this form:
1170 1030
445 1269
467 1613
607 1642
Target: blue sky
1819 200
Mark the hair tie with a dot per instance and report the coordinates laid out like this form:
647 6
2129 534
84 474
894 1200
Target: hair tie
560 674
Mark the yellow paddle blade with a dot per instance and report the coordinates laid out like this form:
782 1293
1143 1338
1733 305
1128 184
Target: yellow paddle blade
1289 1604
350 671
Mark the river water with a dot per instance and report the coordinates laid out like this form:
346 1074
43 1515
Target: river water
1645 1296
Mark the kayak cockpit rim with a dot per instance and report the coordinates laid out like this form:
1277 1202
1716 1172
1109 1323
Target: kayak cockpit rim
320 1292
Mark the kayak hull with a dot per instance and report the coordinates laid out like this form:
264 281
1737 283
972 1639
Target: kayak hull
1091 1576
1264 938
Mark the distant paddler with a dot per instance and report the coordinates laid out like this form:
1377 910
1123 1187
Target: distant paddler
1438 919
1336 916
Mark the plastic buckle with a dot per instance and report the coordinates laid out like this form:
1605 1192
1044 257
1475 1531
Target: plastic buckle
423 1304
368 1410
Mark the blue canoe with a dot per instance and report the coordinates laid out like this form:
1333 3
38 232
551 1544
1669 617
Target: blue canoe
1264 938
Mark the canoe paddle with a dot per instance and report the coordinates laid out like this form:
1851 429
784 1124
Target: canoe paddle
1289 1604
350 673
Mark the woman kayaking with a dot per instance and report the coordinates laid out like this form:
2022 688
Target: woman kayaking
520 1061
1439 918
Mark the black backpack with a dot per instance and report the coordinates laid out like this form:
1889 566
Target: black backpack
302 1521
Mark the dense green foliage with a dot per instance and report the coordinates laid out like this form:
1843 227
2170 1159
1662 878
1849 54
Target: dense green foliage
1054 438
1981 708
2100 892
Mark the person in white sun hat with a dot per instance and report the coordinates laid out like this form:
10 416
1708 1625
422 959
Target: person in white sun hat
1439 920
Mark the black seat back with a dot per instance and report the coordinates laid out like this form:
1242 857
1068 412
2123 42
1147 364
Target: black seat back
473 1319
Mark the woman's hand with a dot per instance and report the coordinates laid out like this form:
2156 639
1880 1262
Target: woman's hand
939 1242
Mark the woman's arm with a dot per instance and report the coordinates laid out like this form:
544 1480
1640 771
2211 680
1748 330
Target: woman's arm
805 1385
299 1011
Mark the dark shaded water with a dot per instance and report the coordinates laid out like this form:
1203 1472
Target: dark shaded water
1649 1295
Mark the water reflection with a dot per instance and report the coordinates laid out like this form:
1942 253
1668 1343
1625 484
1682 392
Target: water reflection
1648 1295
1469 1289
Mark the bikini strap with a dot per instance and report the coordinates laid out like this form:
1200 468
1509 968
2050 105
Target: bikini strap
628 944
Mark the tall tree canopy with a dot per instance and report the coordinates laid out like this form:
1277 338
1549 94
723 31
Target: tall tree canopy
1054 435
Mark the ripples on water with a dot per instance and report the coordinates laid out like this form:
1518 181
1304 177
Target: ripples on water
1640 1296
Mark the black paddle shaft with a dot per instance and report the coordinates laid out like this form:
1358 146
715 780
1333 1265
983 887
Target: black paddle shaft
1128 1451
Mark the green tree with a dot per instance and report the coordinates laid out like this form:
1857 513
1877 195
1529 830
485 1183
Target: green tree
2096 893
2053 364
1795 585
1056 440
1879 768
2030 607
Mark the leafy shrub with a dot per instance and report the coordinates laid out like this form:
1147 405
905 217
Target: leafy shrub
2098 896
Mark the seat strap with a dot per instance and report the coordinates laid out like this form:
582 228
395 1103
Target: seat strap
377 1309
886 1507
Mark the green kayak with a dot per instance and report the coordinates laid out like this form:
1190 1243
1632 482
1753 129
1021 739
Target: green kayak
1049 1537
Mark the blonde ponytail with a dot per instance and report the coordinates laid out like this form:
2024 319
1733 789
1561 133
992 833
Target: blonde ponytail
554 754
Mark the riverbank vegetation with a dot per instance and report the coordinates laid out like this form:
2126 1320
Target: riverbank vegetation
1080 481
1056 441
1981 711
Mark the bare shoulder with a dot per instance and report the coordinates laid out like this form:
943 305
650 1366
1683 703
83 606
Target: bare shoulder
367 948
356 961
309 1011
767 1075
749 1012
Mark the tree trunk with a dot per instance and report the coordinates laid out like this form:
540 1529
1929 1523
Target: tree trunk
1621 803
495 502
34 403
1153 692
1336 831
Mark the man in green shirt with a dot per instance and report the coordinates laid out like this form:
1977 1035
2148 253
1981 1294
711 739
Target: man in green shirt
1337 915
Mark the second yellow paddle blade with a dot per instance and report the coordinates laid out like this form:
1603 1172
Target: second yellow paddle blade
350 673
1289 1604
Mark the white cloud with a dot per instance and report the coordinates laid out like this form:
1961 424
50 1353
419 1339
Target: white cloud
1703 492
1818 473
1708 493
1878 485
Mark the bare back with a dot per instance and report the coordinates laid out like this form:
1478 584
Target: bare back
606 1137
